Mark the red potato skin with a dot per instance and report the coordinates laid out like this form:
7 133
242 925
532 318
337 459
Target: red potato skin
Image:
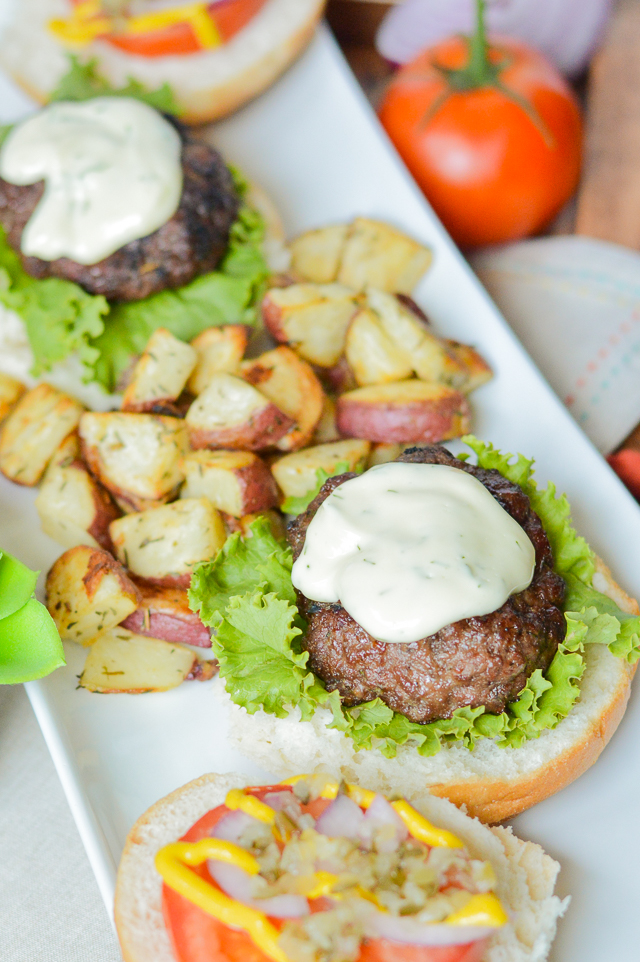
261 431
336 379
272 318
417 421
169 407
100 563
258 487
164 613
105 510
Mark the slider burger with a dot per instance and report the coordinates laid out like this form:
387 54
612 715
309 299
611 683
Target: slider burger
312 869
215 56
117 221
432 623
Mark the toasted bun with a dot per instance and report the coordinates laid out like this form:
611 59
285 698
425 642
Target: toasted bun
494 783
208 85
526 875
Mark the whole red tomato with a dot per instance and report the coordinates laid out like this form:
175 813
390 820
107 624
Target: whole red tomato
498 154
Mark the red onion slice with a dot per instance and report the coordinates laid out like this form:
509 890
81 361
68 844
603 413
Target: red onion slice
236 883
341 819
379 814
232 827
411 932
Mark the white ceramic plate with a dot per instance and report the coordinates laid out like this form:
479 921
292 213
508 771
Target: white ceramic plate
314 143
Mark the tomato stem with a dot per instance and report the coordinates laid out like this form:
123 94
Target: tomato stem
478 68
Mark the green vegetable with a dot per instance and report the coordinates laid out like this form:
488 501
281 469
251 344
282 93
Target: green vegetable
296 506
247 593
82 82
61 318
30 645
227 295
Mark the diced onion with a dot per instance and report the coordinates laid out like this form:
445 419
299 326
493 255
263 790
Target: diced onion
341 819
233 826
236 883
379 814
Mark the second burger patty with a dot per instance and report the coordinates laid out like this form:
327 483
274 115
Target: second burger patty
484 660
191 243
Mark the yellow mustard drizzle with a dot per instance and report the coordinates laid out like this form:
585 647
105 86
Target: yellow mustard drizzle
173 860
172 863
86 23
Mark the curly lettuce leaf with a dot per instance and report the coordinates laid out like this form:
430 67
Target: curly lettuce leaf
59 316
242 567
82 82
228 295
239 591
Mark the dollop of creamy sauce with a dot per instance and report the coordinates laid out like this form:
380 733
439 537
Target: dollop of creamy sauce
112 174
409 548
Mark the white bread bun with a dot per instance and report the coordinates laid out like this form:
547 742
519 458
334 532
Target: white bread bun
526 875
493 783
207 85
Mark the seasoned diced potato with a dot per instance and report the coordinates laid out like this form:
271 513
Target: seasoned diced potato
121 661
10 392
74 509
296 473
236 482
326 429
316 255
218 349
312 318
374 357
230 413
32 432
135 456
290 383
161 372
407 411
377 254
67 452
88 592
477 371
383 453
163 544
164 612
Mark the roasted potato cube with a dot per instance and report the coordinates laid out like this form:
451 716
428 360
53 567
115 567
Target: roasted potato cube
135 456
476 369
407 411
165 613
161 372
290 383
10 392
73 508
121 661
218 349
383 453
316 255
230 413
312 318
296 473
88 592
163 544
32 432
374 357
67 452
377 254
326 429
236 482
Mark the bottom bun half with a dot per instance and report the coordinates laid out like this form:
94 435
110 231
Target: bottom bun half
526 875
493 783
207 85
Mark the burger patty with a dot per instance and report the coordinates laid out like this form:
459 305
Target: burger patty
484 660
191 243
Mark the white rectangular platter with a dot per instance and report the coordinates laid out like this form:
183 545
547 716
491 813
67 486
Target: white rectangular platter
314 144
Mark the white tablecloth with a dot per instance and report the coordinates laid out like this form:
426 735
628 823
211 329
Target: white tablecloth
50 907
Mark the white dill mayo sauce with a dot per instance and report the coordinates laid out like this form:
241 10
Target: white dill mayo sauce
409 548
112 174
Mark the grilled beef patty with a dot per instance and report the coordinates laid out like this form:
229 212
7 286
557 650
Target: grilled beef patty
485 660
191 243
